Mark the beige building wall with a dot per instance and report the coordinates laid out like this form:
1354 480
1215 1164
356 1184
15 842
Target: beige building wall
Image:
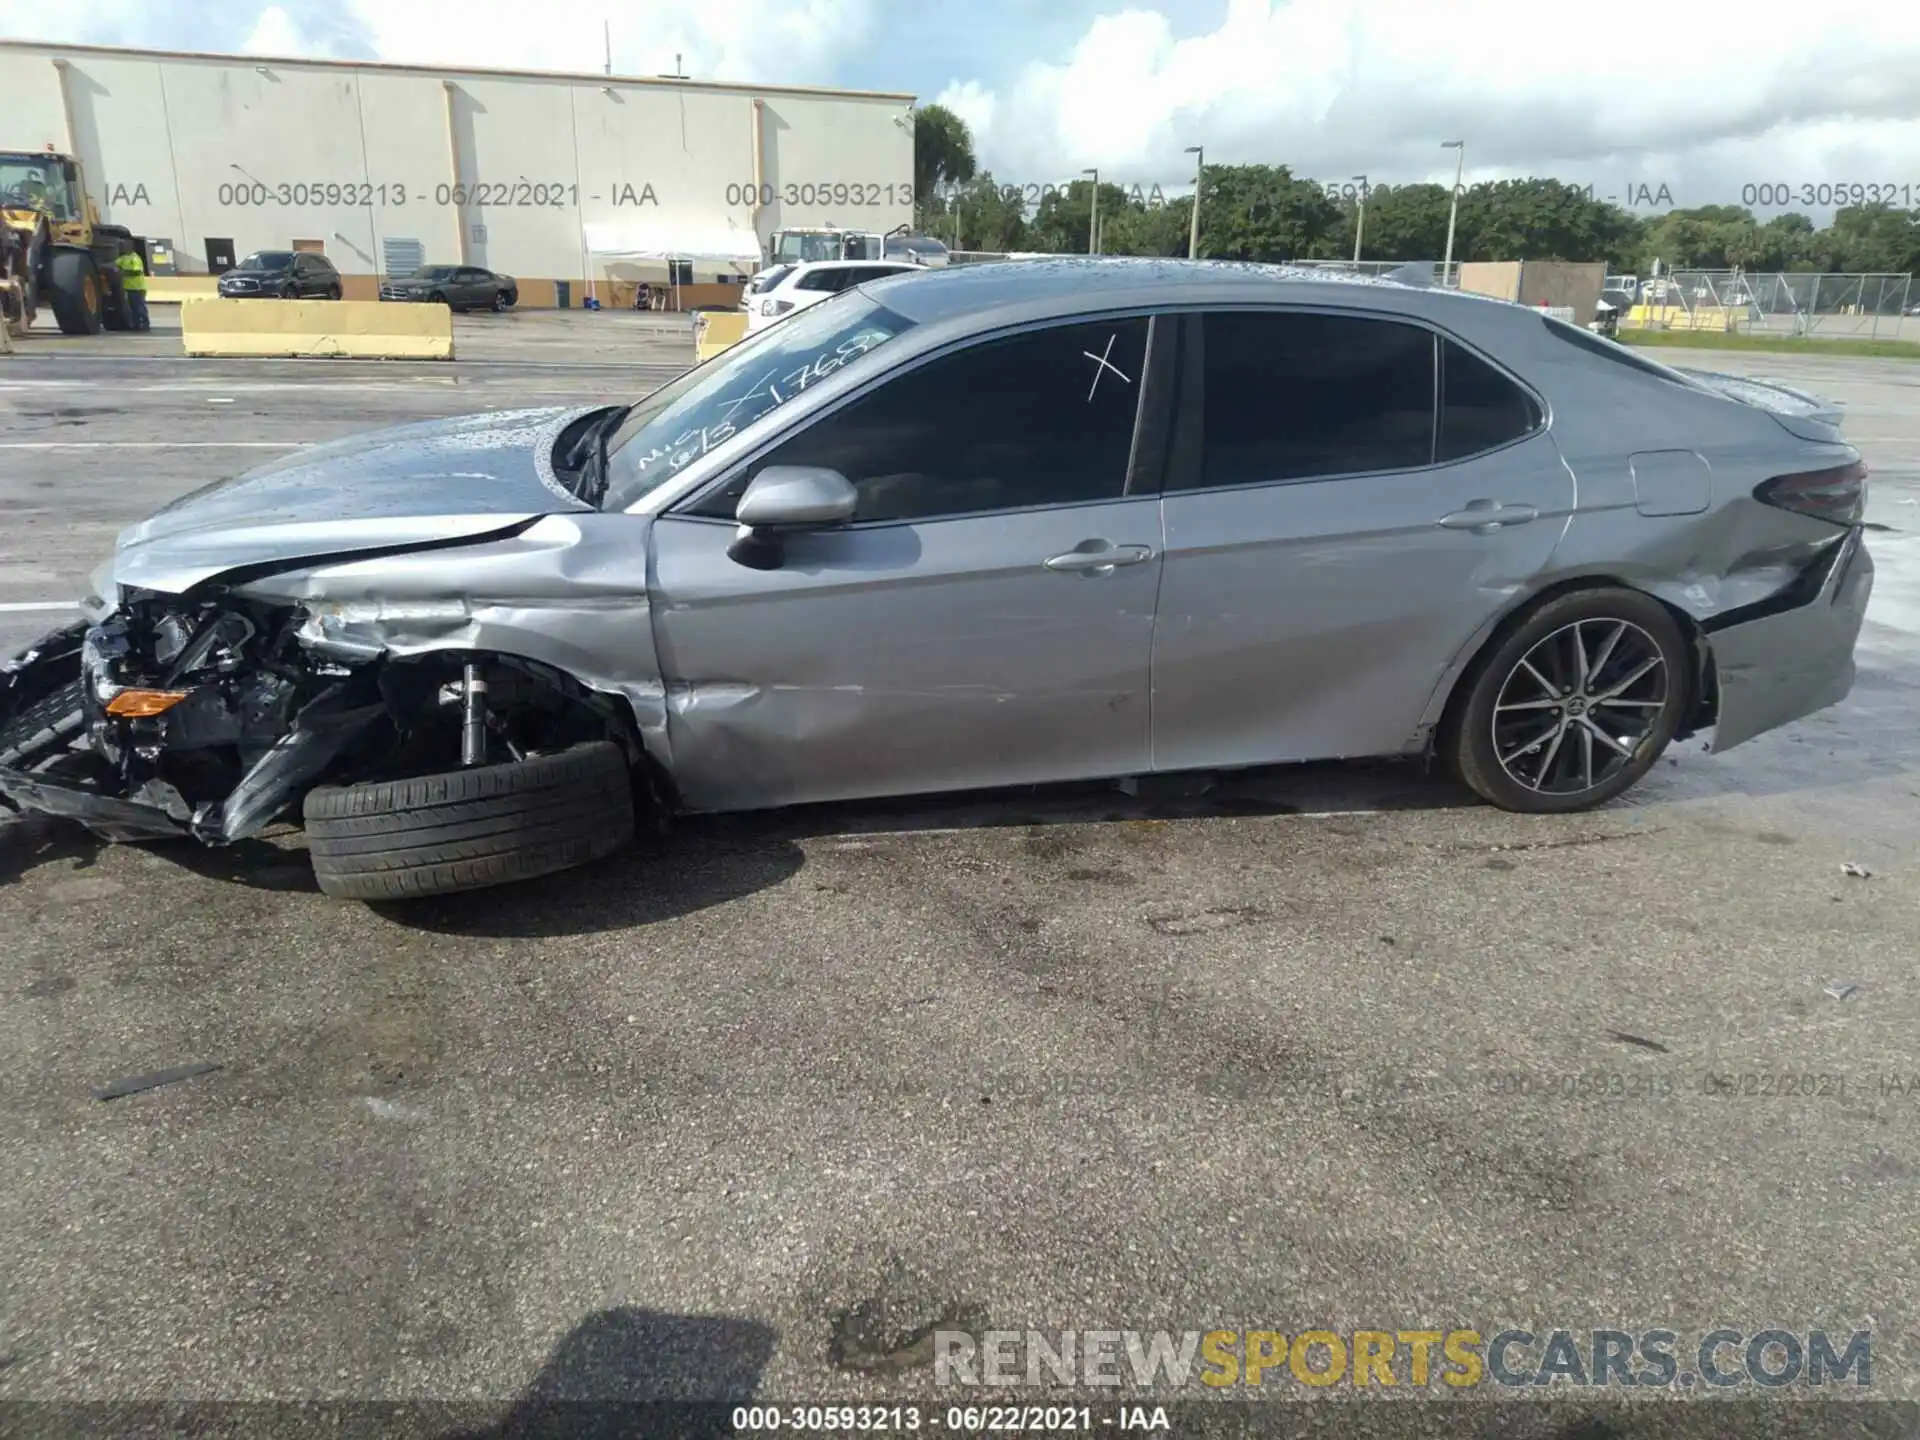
509 171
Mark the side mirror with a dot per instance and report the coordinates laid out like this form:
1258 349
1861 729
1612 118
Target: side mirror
785 498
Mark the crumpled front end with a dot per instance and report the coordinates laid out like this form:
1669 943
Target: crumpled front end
177 717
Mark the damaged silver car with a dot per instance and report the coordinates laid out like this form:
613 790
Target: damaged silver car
990 525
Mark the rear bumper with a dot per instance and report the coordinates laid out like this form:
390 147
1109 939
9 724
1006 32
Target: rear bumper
1782 666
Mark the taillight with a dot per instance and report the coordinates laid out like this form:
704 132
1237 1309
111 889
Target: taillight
1839 494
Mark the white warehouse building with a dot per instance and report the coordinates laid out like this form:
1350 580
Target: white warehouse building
574 184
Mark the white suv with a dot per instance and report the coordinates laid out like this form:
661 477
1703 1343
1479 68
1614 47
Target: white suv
778 292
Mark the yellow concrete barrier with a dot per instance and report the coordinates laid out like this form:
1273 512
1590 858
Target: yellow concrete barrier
172 289
347 329
1678 317
717 330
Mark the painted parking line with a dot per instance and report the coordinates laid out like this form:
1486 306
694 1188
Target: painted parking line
20 607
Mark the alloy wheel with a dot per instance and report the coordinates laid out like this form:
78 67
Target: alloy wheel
1579 706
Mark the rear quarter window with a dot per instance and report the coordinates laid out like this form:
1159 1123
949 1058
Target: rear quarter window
1480 408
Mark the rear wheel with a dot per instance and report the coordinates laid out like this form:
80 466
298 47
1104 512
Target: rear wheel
499 301
77 297
333 292
1573 706
466 829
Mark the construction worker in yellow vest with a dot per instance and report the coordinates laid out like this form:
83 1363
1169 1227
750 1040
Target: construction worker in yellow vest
133 280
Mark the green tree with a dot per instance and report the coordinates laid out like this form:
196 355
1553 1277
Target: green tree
1537 219
1062 219
1260 212
1406 222
1137 229
983 214
942 150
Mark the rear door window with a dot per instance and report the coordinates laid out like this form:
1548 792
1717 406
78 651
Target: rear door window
827 280
1295 395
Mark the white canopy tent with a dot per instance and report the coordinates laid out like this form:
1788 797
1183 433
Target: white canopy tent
729 244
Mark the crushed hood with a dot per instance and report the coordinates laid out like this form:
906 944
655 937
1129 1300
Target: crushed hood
421 484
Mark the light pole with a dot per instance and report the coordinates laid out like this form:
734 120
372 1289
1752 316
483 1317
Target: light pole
1199 179
1360 224
1093 221
1453 209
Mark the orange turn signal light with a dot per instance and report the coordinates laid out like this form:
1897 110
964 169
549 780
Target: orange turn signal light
138 704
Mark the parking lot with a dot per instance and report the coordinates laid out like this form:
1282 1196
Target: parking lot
752 1109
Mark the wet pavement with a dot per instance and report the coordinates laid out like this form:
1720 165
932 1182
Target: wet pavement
746 1111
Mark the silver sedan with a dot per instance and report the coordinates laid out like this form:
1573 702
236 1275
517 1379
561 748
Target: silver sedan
973 527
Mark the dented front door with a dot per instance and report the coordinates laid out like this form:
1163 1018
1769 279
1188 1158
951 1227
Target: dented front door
942 655
985 619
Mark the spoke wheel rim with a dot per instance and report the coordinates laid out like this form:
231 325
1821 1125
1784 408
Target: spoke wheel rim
1580 707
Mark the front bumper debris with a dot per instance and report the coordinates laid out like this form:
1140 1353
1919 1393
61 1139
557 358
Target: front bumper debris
106 815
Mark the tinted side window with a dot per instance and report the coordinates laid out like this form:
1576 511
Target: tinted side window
1296 395
1479 407
1044 418
821 280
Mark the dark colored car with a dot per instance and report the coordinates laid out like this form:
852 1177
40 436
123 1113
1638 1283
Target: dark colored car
459 287
282 275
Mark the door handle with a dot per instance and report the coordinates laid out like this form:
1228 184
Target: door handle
1484 517
1097 557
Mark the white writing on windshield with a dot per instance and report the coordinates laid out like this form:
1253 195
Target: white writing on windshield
773 388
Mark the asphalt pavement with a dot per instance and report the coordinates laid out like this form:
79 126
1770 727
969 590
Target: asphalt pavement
749 1111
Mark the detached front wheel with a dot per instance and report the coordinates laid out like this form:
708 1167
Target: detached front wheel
466 829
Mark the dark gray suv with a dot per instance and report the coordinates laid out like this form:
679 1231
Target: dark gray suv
282 275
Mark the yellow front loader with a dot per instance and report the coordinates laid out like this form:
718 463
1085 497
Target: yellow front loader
54 251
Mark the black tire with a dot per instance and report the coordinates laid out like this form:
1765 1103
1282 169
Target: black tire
436 298
76 298
513 298
334 292
499 301
116 311
1468 743
289 292
43 727
466 829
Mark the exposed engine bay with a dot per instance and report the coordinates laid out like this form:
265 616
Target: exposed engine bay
209 716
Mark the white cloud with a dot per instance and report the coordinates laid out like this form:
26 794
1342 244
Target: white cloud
274 33
770 41
973 103
1704 101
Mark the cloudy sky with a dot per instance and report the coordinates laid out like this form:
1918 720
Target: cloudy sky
1703 100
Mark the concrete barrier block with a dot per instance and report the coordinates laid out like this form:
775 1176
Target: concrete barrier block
717 330
344 329
174 289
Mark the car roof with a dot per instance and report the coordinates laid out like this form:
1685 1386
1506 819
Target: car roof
1066 284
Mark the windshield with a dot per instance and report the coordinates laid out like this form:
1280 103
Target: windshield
683 420
432 272
267 260
38 182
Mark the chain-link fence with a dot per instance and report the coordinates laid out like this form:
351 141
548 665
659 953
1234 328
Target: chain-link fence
1866 306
